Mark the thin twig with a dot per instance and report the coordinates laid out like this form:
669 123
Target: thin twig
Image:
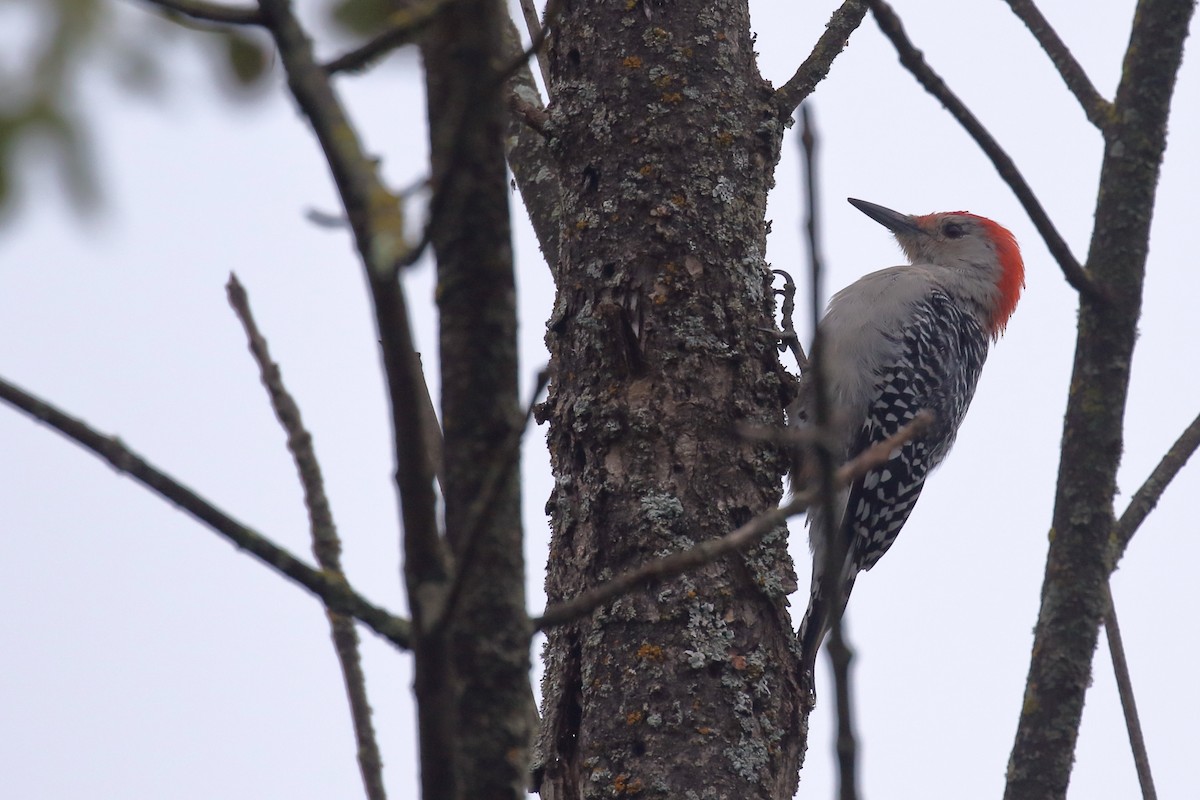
326 544
333 591
537 39
706 552
1147 496
816 265
1137 742
808 149
841 655
1097 109
914 61
830 586
529 12
844 22
535 170
407 25
210 12
504 460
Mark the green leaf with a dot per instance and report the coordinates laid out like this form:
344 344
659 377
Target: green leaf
247 58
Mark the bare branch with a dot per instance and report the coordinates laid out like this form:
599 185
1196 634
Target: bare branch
812 228
377 224
536 40
840 653
536 173
915 62
840 657
529 12
327 546
706 552
332 590
1079 561
828 574
407 24
844 22
1133 725
1147 496
1097 109
210 12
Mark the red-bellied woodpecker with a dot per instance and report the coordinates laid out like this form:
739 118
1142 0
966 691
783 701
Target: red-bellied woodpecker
893 343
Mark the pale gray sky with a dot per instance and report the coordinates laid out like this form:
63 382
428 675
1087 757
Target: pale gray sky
145 658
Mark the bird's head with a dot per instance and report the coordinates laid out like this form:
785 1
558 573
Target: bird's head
961 241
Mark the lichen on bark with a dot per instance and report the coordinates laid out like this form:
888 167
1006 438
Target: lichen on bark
666 138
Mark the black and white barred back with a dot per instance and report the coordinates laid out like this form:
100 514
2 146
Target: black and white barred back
940 356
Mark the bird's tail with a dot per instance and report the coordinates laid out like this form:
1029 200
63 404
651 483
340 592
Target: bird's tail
823 611
830 590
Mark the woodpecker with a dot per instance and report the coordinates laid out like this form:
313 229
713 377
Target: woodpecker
893 343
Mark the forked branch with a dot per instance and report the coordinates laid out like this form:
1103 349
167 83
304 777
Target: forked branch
378 229
844 22
1097 109
327 546
332 590
406 25
914 62
1147 496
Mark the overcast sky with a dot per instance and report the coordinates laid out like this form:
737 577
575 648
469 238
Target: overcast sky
143 657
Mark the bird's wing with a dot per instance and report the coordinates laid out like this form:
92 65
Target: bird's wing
938 361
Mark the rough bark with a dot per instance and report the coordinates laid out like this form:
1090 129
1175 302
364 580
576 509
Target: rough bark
1074 593
666 138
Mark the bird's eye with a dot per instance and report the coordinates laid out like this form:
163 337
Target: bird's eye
952 230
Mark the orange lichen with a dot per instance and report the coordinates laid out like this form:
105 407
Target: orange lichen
650 652
632 62
623 785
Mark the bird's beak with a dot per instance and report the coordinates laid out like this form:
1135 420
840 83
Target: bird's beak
892 220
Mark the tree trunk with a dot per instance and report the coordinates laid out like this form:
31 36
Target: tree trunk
485 629
1075 589
667 138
